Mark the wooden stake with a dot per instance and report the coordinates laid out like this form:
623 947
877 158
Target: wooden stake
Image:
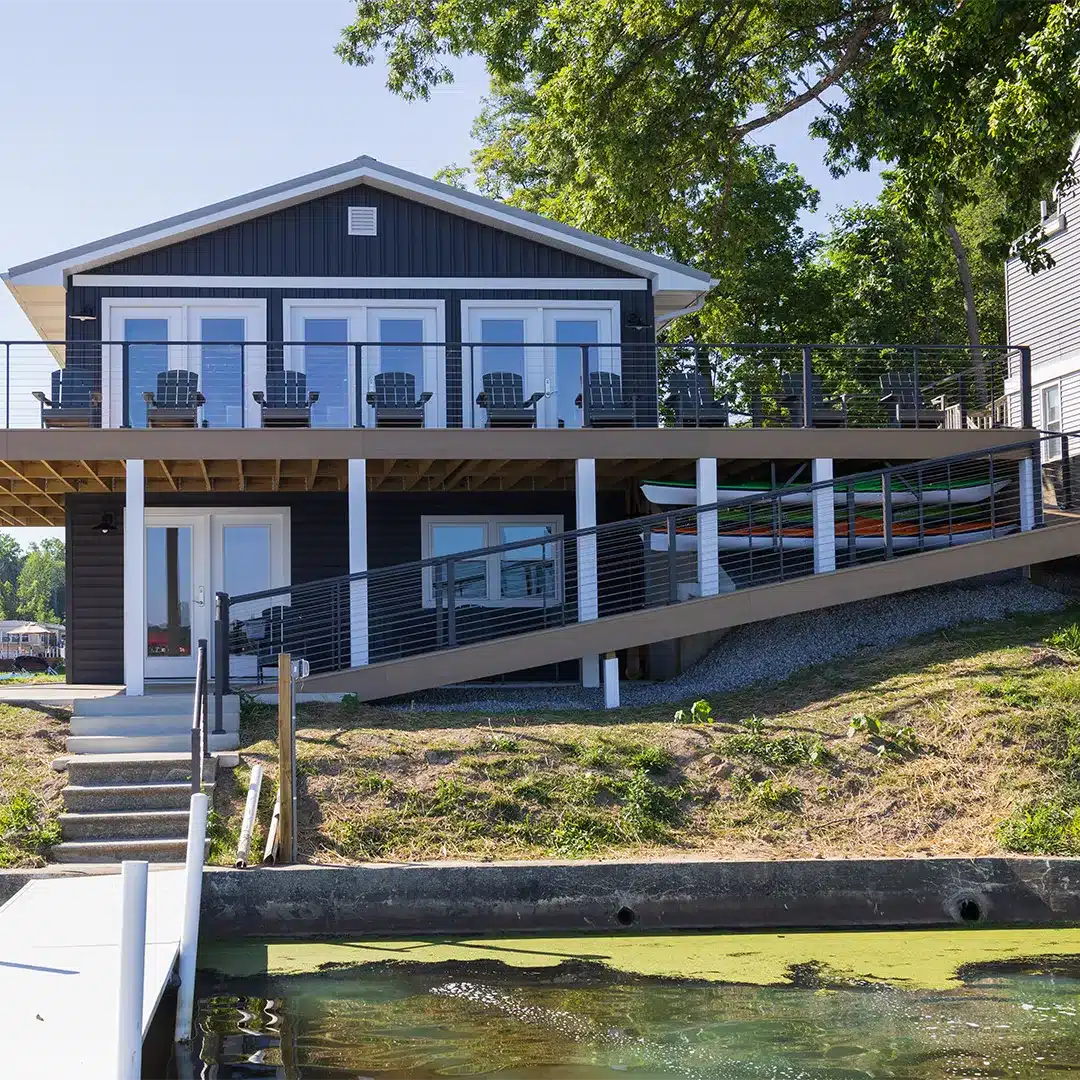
286 761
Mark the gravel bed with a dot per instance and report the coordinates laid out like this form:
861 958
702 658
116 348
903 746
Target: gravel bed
770 651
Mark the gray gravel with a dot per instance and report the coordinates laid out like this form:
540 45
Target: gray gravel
770 651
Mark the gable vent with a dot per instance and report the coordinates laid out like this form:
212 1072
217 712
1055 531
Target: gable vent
362 221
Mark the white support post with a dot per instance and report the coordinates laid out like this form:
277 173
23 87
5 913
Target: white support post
189 932
708 553
134 577
824 517
611 681
129 1035
1027 495
358 562
587 584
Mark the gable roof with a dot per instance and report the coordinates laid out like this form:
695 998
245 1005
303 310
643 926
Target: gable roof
39 284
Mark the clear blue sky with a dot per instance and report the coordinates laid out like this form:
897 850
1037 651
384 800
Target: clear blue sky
119 113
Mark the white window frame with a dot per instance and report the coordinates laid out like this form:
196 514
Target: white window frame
1053 446
358 313
491 524
183 314
539 316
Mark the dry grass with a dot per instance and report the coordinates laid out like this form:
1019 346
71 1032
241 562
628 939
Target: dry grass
30 738
976 725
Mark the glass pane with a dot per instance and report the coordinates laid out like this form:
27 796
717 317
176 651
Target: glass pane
222 377
168 591
470 576
144 361
568 378
246 565
503 346
526 572
407 357
327 367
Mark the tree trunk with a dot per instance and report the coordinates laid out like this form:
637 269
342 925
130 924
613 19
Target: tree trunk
963 267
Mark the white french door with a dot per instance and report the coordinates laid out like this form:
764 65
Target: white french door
567 330
193 554
399 332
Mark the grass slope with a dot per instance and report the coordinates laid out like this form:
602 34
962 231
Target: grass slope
961 743
30 738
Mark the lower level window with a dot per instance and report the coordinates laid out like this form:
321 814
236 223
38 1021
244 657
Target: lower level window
526 575
1051 416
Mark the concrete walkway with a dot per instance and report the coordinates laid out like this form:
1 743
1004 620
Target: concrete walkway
56 693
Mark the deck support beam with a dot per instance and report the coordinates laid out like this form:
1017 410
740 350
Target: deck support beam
824 516
134 576
587 580
358 562
708 553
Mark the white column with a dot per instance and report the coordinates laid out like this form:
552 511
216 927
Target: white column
824 517
588 594
134 577
708 552
129 1005
1027 495
611 681
358 561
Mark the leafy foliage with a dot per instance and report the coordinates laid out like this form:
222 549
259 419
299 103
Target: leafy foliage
26 828
1067 639
40 587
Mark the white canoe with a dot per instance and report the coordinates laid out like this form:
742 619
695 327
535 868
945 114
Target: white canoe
729 542
669 494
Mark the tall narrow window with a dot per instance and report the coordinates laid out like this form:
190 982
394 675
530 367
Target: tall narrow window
221 378
570 380
327 367
503 346
147 355
401 349
1051 411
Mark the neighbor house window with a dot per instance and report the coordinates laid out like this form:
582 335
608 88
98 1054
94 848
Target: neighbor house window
525 576
1051 415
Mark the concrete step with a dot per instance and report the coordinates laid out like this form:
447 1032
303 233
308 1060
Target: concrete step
125 825
100 798
129 768
146 742
111 851
134 723
151 705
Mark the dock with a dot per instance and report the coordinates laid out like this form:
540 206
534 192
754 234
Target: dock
60 971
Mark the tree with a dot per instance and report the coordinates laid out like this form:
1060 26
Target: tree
11 560
41 582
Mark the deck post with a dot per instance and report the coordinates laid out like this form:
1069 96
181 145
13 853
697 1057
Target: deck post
129 1035
134 577
611 681
588 596
708 552
359 654
1026 404
824 516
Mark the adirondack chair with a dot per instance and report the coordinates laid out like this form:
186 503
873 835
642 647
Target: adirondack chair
898 390
607 406
826 411
176 402
394 400
503 398
287 401
282 632
690 397
74 401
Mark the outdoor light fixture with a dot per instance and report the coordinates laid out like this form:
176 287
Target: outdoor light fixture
83 313
106 525
633 322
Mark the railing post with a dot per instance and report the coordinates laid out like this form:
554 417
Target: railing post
125 378
808 386
1066 474
451 615
7 384
887 511
915 385
286 761
204 700
221 666
672 558
852 524
963 402
586 411
1025 388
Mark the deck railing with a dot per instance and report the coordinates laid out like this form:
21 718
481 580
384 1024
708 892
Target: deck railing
521 384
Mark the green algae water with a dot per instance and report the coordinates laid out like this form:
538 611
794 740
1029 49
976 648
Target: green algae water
922 1005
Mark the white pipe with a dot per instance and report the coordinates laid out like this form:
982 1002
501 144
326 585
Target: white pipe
133 877
611 681
250 809
270 854
189 934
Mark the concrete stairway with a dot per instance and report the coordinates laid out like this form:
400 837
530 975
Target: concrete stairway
129 777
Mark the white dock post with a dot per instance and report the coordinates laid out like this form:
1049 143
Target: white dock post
359 648
587 579
189 933
1027 495
133 877
708 553
611 681
824 517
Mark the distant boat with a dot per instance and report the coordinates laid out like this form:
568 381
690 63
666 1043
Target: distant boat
868 536
867 493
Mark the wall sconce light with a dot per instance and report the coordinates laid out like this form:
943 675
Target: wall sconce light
106 525
83 312
633 322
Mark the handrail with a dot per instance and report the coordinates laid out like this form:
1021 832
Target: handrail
200 739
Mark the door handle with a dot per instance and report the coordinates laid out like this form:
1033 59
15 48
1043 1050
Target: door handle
201 598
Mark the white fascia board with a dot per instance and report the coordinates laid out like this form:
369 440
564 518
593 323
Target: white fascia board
234 281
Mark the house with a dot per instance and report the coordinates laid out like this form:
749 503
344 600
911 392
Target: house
354 414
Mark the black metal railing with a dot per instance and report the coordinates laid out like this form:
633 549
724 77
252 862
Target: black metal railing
349 384
200 738
737 542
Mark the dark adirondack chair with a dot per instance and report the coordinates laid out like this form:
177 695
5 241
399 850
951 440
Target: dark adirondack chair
176 402
607 406
395 402
287 401
898 390
503 398
74 401
826 411
690 397
283 632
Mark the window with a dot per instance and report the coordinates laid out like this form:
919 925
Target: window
327 367
148 354
525 576
1051 416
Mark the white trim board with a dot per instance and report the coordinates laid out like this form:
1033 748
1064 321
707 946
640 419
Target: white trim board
237 281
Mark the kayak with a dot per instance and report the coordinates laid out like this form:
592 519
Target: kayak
868 536
867 493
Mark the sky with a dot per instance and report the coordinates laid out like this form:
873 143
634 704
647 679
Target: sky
120 112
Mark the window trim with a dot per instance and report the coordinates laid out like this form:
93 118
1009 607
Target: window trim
1043 389
491 524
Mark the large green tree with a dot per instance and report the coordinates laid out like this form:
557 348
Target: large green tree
41 582
11 560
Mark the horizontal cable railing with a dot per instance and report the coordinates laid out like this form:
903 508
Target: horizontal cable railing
552 579
508 383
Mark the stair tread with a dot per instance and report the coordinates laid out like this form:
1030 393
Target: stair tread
136 757
82 845
115 815
161 785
